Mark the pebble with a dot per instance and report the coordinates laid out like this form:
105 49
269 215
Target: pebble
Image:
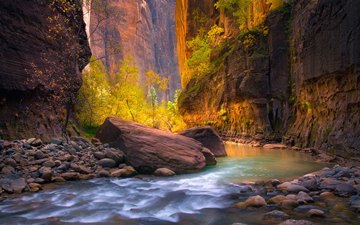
315 213
276 215
107 163
255 201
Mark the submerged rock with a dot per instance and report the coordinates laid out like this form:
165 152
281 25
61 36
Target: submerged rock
276 215
208 137
147 149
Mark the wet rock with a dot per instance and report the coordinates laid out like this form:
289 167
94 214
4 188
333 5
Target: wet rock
238 224
7 170
253 201
345 190
70 176
13 185
245 189
297 222
355 203
315 213
39 180
277 199
64 166
288 204
303 198
305 208
164 172
289 187
19 158
208 137
276 215
39 155
107 163
10 162
49 163
34 187
124 172
99 155
45 173
58 179
275 146
103 173
329 183
209 157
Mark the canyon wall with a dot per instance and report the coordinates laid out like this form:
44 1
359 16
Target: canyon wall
43 50
144 30
299 80
325 43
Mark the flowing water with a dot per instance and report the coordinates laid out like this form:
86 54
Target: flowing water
206 197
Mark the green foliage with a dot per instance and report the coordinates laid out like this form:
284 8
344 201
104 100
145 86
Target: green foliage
125 97
199 61
240 10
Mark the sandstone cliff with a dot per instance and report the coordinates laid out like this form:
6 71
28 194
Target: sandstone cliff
143 29
43 50
300 80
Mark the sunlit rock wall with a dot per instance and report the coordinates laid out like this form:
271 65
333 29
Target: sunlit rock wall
142 29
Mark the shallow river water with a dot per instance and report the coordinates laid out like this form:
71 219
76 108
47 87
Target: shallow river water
204 198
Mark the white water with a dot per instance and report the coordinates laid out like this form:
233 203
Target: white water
201 198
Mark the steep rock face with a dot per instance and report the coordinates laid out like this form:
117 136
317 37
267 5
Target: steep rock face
40 65
326 74
188 14
301 80
249 93
142 29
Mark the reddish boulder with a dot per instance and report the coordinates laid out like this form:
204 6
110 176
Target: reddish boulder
147 149
208 137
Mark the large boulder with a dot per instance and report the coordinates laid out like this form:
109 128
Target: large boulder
208 137
147 149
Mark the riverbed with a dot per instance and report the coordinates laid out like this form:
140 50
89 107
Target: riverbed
205 197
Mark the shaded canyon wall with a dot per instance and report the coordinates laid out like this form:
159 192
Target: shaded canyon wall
41 65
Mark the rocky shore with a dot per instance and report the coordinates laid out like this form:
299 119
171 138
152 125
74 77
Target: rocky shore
26 165
320 196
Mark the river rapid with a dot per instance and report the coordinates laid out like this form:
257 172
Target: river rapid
206 197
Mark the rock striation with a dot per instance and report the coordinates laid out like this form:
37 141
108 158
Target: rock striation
299 80
148 149
40 69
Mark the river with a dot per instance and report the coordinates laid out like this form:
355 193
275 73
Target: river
205 197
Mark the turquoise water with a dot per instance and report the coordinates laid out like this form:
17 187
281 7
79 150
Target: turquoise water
206 197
